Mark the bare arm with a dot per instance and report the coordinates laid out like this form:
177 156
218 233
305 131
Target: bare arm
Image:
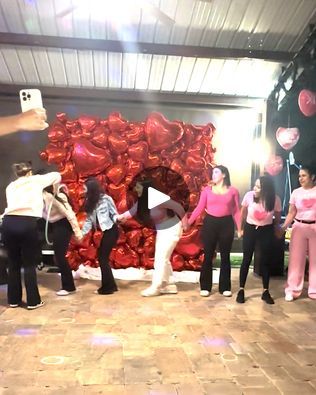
243 216
30 120
289 218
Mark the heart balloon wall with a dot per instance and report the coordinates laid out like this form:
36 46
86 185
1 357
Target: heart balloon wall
307 102
114 151
287 137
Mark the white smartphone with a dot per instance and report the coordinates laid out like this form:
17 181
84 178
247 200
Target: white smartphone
30 98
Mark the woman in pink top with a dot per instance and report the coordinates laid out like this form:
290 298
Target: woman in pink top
260 213
302 210
170 220
221 203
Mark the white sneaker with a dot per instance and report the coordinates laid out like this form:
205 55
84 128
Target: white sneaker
63 292
289 297
227 293
36 306
150 291
169 289
204 293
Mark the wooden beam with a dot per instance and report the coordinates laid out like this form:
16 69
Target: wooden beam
147 48
81 94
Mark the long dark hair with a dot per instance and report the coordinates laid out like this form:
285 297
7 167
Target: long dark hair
93 194
267 192
225 171
143 212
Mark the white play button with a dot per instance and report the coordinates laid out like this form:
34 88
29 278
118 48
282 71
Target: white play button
155 198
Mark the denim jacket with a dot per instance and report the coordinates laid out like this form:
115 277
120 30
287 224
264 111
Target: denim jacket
105 212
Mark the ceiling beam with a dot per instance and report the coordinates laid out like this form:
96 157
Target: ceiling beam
145 48
82 94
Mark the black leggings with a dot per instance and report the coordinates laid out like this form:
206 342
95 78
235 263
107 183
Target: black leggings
20 236
217 230
108 241
62 232
264 236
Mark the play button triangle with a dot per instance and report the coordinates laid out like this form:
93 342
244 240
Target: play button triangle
155 198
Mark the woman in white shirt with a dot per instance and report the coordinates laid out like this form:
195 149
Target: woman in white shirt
170 220
20 234
64 224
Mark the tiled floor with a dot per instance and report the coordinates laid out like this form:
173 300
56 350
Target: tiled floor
182 344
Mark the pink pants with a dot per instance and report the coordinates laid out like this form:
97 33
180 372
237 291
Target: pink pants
303 242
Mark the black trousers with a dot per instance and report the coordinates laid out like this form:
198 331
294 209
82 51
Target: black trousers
61 234
264 236
217 230
108 241
20 236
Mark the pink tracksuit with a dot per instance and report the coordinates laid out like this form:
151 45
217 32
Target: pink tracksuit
303 242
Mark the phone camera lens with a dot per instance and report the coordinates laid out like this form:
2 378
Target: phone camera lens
23 93
28 96
24 98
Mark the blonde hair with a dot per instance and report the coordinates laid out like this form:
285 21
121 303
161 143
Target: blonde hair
22 168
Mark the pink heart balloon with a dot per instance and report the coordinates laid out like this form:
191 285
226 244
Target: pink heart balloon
307 102
287 137
274 165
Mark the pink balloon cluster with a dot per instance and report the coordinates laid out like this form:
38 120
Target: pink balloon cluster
115 150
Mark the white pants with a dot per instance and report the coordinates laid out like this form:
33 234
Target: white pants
166 241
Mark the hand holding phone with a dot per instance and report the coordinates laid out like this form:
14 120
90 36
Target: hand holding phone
33 115
30 99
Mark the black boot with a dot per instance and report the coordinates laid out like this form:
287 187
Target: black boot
240 296
267 297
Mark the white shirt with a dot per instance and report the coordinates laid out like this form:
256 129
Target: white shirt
25 195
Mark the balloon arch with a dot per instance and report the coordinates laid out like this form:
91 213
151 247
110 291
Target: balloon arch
114 150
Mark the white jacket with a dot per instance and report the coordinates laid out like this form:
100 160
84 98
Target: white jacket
25 195
60 210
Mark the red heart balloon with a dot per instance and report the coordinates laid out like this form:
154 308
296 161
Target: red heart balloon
153 160
57 133
195 164
161 133
138 151
307 102
133 168
116 173
72 126
274 165
87 124
68 173
117 192
190 243
55 154
287 137
116 123
62 117
133 237
100 136
124 257
177 261
89 159
117 144
135 132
